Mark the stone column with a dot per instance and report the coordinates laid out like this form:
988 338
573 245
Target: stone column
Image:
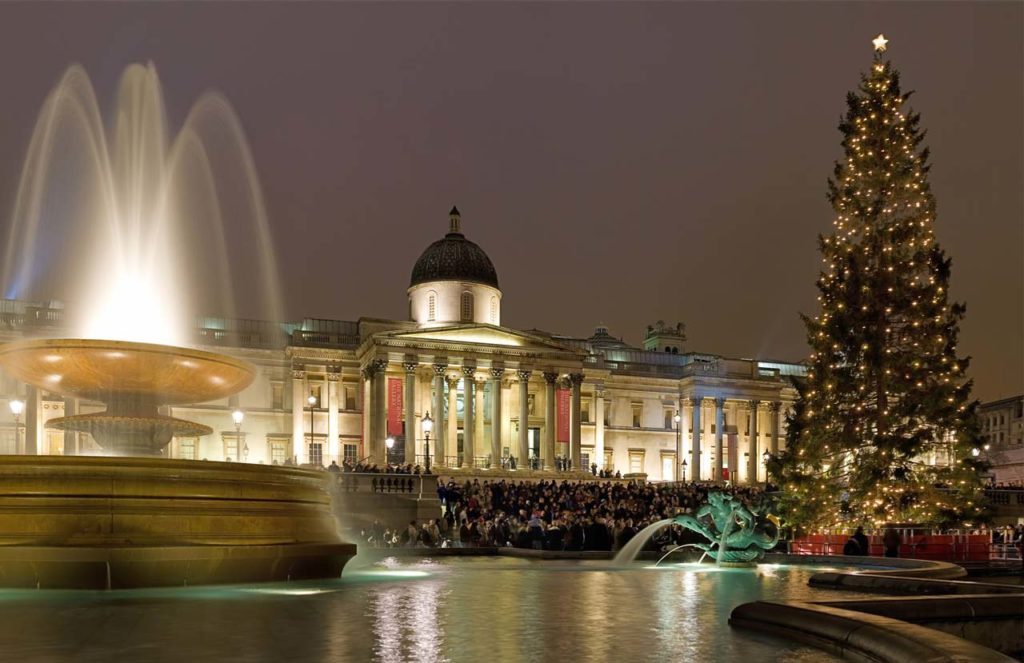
599 426
298 420
453 418
523 454
380 413
70 437
774 408
550 379
468 420
410 411
333 450
34 434
719 432
496 374
695 402
575 430
480 442
438 414
362 404
752 460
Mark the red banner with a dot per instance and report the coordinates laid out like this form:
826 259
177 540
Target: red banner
394 406
562 401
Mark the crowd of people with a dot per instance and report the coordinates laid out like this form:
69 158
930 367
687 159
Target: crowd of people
551 515
348 466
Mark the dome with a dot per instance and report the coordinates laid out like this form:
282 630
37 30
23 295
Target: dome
454 258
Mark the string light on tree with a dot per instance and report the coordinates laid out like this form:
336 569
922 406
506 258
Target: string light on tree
886 394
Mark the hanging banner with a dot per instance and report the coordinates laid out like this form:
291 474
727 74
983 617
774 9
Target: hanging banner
394 406
562 401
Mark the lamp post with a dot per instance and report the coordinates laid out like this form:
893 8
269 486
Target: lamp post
679 439
428 425
17 407
765 457
243 449
312 401
389 442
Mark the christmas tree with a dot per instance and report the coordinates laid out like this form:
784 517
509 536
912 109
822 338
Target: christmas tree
884 428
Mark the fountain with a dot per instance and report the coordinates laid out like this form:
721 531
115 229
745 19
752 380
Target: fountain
738 535
147 219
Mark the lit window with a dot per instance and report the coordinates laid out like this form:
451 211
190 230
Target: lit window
638 410
467 307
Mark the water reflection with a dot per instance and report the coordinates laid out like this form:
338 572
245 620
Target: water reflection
489 609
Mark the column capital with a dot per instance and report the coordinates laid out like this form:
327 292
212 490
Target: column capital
410 366
440 369
298 374
550 377
496 373
380 364
332 377
720 402
753 403
469 371
452 380
775 406
523 375
575 380
599 390
696 401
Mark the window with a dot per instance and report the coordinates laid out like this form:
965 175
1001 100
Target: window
316 453
670 416
585 455
494 310
8 442
230 446
314 391
636 461
584 411
431 307
350 399
350 453
638 410
277 395
187 448
278 449
467 307
608 465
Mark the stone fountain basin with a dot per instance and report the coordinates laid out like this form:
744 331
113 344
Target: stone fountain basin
125 372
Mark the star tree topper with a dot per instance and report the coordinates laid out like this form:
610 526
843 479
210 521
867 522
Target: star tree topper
880 41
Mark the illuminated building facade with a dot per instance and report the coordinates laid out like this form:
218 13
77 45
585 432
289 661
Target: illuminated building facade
333 390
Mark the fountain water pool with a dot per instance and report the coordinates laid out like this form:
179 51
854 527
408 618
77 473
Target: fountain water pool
428 610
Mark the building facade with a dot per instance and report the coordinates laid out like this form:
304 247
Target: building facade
333 390
1002 428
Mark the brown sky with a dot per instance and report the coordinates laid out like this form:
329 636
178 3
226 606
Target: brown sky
620 162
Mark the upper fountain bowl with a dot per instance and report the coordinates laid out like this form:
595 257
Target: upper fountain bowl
103 370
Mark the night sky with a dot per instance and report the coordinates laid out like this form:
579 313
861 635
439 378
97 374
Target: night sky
620 163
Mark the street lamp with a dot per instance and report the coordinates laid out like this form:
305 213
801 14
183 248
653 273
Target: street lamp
17 407
428 425
684 470
243 449
389 442
975 452
765 457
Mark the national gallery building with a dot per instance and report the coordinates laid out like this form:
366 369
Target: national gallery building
333 390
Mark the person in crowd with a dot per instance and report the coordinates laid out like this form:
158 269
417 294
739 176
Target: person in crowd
891 542
862 542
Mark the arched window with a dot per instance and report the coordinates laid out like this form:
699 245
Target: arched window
431 307
467 307
494 310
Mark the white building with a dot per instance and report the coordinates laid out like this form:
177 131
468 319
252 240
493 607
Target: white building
1002 428
658 409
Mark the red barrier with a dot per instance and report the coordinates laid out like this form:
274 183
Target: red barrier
941 547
